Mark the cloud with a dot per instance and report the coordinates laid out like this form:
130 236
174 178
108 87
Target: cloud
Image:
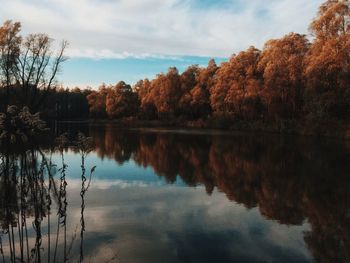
149 223
133 28
107 184
110 54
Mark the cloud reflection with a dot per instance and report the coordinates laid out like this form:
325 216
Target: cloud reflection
185 225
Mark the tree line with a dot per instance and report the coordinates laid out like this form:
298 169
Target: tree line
291 78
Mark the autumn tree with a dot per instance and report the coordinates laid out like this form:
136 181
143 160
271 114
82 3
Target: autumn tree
328 63
281 64
97 102
200 94
121 101
332 21
148 109
237 86
188 79
292 78
165 92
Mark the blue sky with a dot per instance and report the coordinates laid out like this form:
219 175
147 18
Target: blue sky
97 71
112 40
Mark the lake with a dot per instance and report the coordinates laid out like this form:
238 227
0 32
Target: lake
160 195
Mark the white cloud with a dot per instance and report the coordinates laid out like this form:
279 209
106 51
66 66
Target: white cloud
107 184
133 28
110 54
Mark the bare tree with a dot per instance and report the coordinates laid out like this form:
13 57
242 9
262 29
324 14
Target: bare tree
37 68
28 66
9 52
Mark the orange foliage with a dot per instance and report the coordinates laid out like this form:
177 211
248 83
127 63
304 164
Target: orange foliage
97 102
291 78
121 101
237 82
327 69
281 64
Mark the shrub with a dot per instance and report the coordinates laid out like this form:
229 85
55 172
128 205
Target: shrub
20 126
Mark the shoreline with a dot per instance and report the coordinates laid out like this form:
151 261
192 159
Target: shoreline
330 129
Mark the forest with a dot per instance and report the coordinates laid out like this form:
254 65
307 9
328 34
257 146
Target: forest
295 79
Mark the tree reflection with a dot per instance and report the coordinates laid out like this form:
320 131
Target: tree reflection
84 146
23 194
290 180
29 193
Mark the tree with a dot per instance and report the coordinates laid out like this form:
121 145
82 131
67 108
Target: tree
121 101
188 79
281 64
10 43
37 68
166 92
97 102
28 66
332 20
68 104
291 78
328 62
237 82
200 103
148 109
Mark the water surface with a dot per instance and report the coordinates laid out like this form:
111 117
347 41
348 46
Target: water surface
190 196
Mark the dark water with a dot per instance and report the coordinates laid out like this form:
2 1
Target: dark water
179 196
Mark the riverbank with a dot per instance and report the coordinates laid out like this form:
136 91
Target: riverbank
335 129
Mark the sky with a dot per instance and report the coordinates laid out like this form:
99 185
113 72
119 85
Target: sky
113 40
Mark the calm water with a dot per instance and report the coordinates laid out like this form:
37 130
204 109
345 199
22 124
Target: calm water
179 196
